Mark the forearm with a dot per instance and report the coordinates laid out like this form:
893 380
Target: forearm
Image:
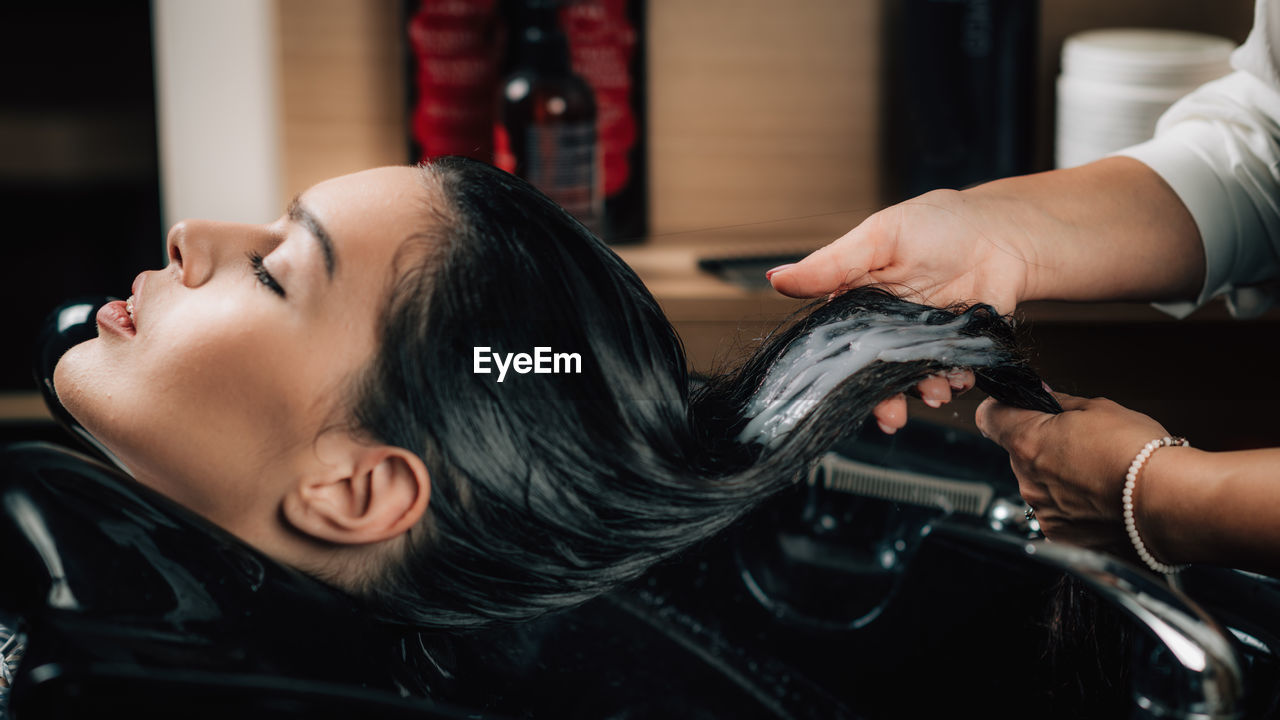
1109 230
1219 508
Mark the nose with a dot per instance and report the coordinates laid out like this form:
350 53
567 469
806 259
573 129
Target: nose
199 248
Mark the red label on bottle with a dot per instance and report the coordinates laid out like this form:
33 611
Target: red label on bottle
457 55
602 43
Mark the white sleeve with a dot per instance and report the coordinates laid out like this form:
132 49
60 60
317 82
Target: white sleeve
1219 149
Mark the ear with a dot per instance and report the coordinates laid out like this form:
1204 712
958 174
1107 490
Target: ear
373 493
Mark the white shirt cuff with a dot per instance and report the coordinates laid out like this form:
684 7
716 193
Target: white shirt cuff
1198 186
1219 150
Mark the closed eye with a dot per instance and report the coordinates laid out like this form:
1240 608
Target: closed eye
264 276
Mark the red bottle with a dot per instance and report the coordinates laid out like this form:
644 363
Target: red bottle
546 125
606 44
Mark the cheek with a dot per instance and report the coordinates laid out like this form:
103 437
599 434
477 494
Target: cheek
241 380
222 406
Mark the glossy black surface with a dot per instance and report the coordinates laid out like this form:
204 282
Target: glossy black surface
107 573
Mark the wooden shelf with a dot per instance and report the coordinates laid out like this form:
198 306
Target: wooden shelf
24 406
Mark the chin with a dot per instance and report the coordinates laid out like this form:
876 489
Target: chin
69 378
85 389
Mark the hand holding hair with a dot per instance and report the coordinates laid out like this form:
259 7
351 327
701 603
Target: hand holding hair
1071 466
1058 235
1083 234
942 248
936 249
1189 505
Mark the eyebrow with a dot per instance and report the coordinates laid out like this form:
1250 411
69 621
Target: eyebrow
301 215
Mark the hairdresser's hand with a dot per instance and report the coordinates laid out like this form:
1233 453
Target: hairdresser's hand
1071 467
942 248
938 249
1086 233
935 391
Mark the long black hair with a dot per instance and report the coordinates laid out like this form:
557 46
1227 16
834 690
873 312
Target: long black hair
548 489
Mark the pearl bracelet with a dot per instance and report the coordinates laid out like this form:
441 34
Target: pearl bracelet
1131 479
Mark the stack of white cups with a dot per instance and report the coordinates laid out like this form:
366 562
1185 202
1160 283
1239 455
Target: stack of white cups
1116 83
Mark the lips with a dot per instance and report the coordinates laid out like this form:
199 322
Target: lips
114 318
120 316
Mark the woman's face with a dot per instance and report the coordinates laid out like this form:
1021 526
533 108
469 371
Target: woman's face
239 368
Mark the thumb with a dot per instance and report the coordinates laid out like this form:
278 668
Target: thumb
1001 423
843 263
1070 402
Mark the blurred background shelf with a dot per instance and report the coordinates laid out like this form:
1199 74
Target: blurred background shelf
23 407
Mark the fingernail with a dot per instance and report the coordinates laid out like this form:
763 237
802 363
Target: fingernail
1046 387
932 402
769 273
885 428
